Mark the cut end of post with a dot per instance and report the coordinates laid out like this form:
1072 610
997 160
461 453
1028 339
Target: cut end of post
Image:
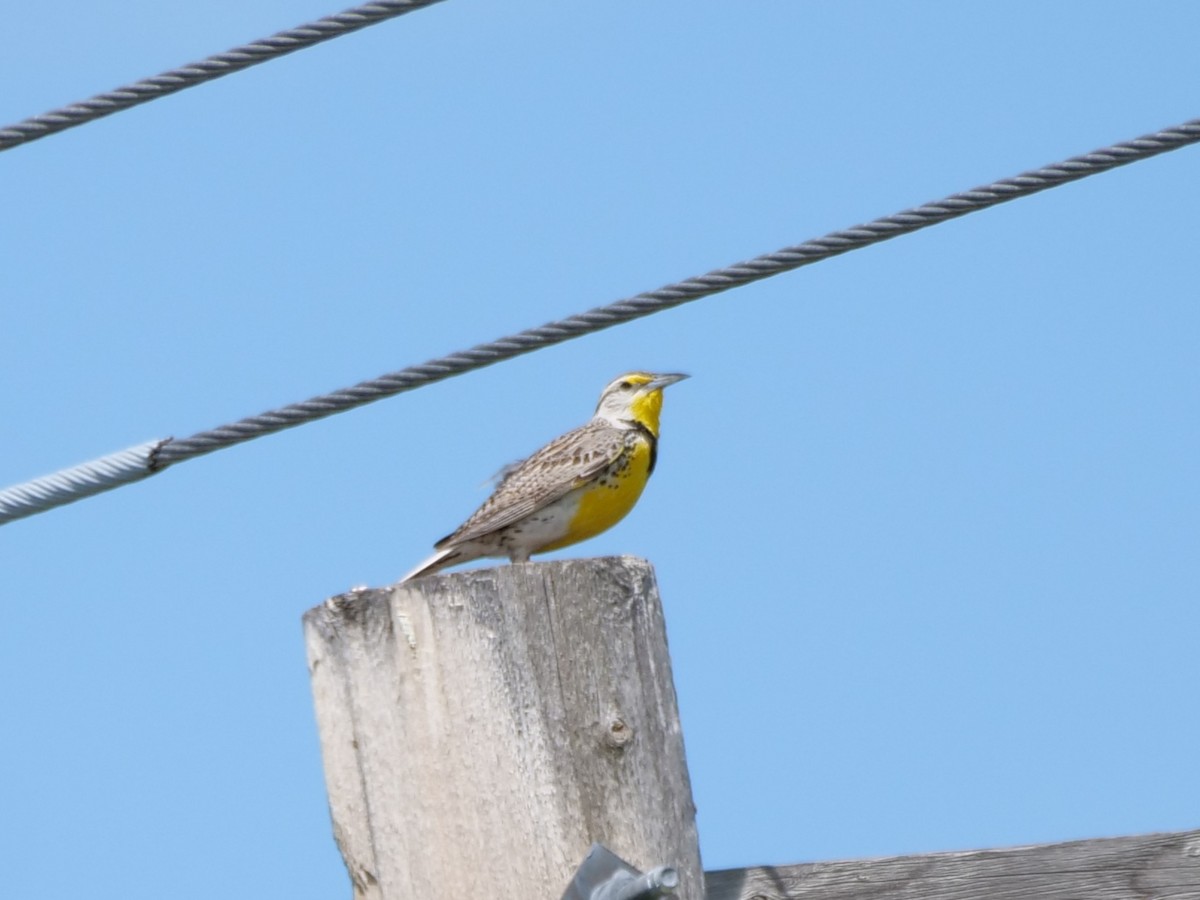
544 567
632 572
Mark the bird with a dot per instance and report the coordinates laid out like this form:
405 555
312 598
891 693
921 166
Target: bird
578 485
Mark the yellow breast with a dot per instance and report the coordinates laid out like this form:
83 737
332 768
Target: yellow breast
606 501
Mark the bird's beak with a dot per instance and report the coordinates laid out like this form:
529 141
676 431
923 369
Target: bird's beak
662 381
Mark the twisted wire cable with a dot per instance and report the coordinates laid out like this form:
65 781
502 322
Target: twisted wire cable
215 66
80 481
56 490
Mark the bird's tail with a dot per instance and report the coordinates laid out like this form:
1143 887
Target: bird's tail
440 560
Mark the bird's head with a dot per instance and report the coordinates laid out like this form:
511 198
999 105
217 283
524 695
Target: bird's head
635 397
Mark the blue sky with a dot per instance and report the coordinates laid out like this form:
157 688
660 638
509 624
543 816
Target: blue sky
926 517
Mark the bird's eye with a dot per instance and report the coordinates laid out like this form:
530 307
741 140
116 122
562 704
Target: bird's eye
624 385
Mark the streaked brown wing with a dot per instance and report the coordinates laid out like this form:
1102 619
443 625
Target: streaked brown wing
549 474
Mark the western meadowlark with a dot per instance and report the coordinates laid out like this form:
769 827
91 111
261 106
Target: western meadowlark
575 487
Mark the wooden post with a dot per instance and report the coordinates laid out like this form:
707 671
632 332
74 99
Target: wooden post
481 729
1124 868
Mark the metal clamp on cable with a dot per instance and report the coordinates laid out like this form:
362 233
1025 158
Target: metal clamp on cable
605 876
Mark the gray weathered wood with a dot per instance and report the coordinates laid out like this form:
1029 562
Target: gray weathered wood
1150 867
480 730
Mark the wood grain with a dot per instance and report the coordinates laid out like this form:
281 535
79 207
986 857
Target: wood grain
480 730
1150 867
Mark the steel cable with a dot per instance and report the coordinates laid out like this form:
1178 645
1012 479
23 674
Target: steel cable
215 66
137 463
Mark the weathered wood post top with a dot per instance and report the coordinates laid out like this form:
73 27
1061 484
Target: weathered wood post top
480 730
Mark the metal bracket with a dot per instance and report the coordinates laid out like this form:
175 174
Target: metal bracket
605 876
